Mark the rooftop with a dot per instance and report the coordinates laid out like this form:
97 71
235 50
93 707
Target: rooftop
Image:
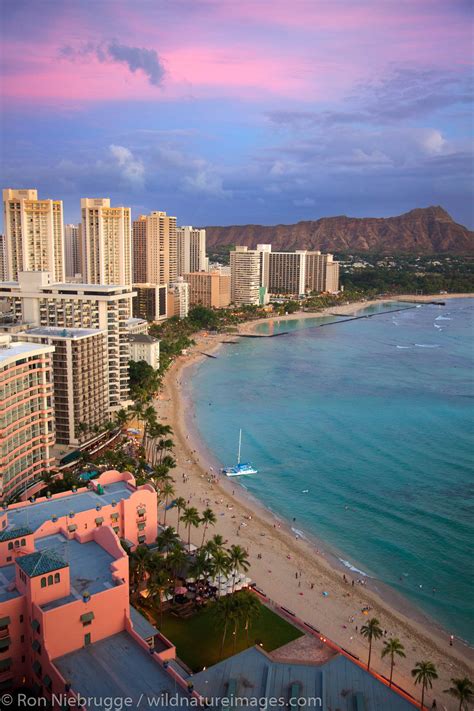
18 349
7 582
53 332
141 625
142 338
89 566
41 562
339 683
34 515
118 667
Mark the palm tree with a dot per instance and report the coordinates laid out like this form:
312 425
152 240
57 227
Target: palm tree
250 609
215 543
462 690
391 648
200 566
190 518
121 418
224 612
166 492
158 584
239 561
208 519
371 631
424 673
180 504
220 565
167 538
149 419
139 565
175 561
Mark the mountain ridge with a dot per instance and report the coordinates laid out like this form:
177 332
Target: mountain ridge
423 230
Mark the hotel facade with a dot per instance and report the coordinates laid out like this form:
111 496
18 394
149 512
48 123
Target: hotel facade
26 414
191 250
34 234
80 379
106 237
210 289
35 301
64 596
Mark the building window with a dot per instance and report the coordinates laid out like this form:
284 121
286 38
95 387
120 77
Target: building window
10 546
23 542
57 577
50 579
43 582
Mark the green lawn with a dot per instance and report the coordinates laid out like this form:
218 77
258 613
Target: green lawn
198 639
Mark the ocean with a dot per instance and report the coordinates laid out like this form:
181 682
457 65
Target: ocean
361 432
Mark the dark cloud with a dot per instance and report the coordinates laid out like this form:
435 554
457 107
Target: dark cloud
135 58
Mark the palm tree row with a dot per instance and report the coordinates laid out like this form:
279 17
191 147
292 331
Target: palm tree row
237 610
423 673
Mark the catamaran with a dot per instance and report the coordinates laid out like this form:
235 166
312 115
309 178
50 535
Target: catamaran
241 467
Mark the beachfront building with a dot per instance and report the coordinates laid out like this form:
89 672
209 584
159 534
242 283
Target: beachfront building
139 249
177 302
34 233
246 276
150 301
72 251
80 379
322 273
26 414
191 250
147 348
210 289
64 597
330 681
137 325
161 248
106 236
36 301
286 273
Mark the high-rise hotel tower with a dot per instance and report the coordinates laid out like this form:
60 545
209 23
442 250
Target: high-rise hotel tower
106 242
34 234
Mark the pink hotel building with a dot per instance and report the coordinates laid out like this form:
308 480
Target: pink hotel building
66 623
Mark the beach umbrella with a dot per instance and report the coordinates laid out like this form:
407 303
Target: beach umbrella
181 591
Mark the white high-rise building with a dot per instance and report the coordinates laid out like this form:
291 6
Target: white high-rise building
34 234
72 251
191 250
36 301
246 286
106 242
178 298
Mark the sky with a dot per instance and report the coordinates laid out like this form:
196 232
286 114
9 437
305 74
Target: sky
240 111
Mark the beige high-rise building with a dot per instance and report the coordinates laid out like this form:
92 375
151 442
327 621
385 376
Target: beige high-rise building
322 273
35 301
211 289
139 250
34 234
80 379
161 248
246 277
26 414
191 250
106 242
72 251
286 273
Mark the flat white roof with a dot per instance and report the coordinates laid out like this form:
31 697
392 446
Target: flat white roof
20 349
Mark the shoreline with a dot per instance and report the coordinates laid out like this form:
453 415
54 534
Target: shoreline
338 615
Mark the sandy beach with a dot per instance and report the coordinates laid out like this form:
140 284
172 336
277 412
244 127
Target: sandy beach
291 570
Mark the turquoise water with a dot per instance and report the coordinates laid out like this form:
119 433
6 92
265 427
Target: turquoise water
374 418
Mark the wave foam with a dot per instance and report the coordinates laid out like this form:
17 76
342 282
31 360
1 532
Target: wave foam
426 345
298 532
403 347
346 564
443 318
